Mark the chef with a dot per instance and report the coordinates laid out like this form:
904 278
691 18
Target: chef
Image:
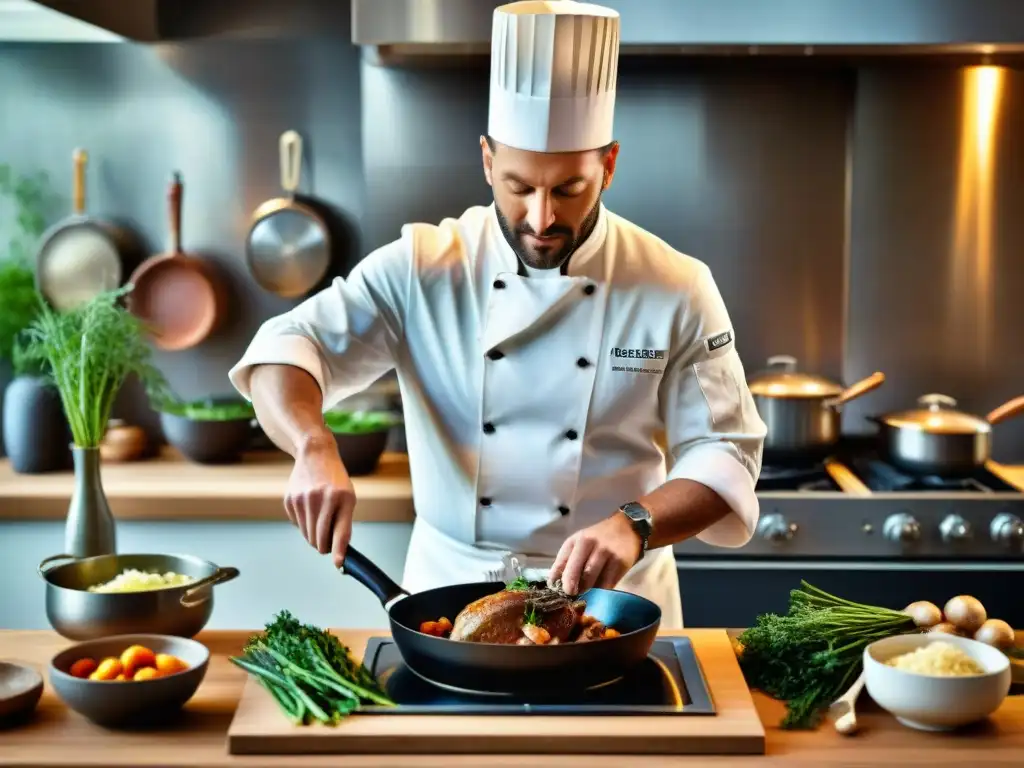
572 391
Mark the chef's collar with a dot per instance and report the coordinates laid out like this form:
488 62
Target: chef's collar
577 258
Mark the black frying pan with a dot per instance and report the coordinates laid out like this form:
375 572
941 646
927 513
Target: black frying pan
508 670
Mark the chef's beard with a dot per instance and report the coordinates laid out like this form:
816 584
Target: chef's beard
547 257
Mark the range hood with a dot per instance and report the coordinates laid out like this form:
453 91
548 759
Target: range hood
424 27
27 21
431 27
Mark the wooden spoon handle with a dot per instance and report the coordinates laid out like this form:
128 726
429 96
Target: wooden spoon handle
79 159
174 194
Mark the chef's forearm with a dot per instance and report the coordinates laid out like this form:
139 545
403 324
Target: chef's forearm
289 406
681 509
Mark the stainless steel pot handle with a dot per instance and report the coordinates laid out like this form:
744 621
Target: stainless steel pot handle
935 401
51 559
221 575
786 361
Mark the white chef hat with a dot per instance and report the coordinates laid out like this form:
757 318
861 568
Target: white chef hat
553 70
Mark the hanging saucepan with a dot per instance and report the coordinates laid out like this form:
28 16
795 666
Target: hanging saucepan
288 248
802 410
937 439
81 257
180 297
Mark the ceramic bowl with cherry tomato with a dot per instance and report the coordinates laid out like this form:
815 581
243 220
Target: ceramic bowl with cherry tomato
129 679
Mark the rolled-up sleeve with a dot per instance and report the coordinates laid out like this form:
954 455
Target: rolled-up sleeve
346 336
714 433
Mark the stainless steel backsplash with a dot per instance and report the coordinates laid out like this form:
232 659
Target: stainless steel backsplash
851 215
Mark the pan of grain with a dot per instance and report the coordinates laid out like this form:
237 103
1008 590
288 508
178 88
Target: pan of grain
178 296
481 657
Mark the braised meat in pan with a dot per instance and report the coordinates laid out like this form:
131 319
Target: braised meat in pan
522 615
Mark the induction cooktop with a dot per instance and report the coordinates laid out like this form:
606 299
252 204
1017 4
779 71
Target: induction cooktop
669 682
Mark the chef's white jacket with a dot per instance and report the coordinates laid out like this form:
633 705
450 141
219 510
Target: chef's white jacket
533 406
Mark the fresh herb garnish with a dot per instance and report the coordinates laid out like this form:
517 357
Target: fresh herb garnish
809 657
518 584
309 672
531 616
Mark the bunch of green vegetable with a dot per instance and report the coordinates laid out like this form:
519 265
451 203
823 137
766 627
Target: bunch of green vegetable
810 656
208 410
360 422
310 673
89 352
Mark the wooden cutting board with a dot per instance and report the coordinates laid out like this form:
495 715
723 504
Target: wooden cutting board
259 727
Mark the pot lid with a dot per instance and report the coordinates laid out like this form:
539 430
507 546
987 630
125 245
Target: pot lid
938 415
782 379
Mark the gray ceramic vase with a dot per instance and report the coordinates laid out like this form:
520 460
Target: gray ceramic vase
89 528
35 431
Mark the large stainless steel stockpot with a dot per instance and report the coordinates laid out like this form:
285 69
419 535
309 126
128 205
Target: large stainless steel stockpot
78 614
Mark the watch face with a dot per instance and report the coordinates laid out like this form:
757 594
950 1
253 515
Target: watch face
636 512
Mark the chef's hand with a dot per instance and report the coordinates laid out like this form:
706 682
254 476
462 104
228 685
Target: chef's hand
598 556
320 499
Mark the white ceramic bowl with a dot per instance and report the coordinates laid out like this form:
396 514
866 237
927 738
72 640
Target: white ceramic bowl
933 703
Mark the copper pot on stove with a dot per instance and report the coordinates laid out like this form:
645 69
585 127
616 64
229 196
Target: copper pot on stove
803 411
938 439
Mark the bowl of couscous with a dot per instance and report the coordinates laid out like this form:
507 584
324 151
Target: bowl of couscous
936 682
94 597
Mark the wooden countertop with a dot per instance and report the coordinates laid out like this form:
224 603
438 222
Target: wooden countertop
57 737
168 487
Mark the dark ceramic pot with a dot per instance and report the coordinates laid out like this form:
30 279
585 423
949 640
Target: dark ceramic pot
208 442
35 430
361 451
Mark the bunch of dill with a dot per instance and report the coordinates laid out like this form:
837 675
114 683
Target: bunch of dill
808 657
89 352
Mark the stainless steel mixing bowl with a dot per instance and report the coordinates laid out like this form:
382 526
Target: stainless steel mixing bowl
78 614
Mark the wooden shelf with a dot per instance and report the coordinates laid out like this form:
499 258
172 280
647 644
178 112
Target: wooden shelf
170 487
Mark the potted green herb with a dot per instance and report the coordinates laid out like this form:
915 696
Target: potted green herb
89 353
208 431
361 437
22 222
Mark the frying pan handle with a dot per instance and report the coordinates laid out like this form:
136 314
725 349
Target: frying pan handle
79 158
291 161
174 195
362 569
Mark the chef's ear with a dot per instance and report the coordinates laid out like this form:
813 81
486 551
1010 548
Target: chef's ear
609 156
487 154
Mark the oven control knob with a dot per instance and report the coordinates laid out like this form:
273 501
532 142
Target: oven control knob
1009 530
901 528
954 528
775 527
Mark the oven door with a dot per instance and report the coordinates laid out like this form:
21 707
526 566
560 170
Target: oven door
733 592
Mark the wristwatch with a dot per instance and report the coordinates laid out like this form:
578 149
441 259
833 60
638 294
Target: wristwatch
640 518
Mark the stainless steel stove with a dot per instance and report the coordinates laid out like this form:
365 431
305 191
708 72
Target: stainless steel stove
857 526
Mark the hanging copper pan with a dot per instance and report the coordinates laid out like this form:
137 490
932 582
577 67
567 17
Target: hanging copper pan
177 295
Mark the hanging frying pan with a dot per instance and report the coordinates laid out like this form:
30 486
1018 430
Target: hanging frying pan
80 257
178 296
288 248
